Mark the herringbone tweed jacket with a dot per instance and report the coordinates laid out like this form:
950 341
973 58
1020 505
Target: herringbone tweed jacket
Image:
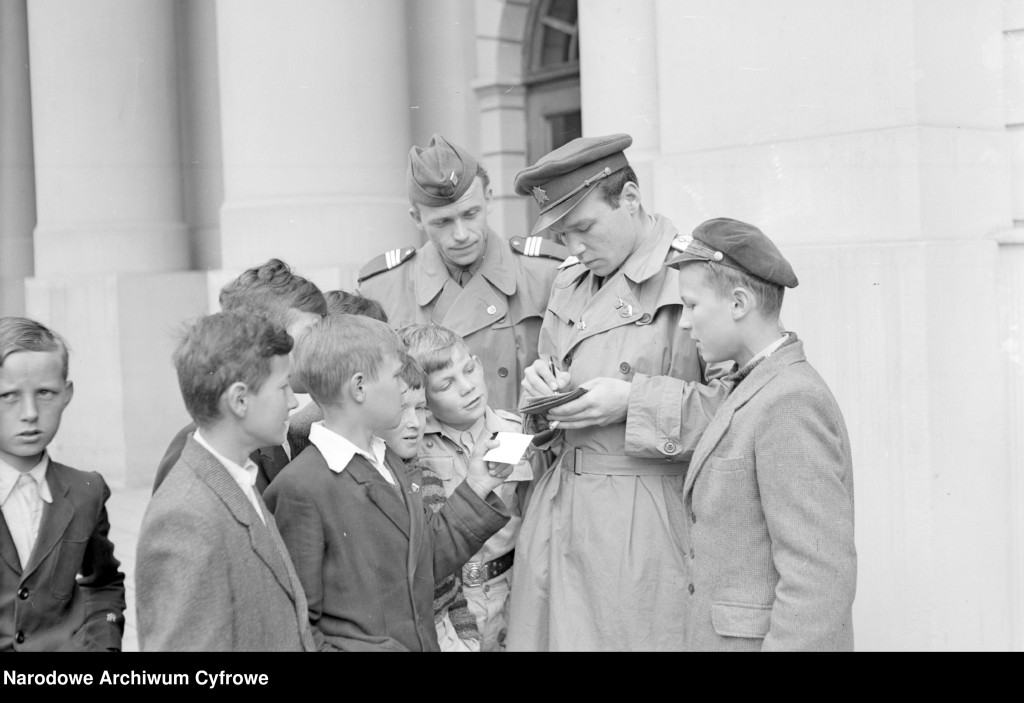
769 516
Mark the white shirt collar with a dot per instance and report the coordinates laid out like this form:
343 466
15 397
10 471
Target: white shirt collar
770 349
243 475
338 451
9 476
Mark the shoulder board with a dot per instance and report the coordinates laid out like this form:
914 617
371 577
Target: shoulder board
538 246
385 262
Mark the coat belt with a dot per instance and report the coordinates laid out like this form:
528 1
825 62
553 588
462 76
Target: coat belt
585 461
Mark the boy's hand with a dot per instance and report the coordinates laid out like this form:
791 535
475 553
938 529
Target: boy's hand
539 381
484 476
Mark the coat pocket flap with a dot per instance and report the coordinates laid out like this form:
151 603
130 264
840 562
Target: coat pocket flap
741 620
442 466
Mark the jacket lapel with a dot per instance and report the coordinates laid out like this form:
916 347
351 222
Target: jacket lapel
411 506
8 552
380 492
56 518
790 353
214 475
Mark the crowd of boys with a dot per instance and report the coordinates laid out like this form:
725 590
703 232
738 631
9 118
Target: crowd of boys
698 495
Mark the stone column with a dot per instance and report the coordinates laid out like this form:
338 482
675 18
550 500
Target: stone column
868 140
500 32
316 132
111 243
17 181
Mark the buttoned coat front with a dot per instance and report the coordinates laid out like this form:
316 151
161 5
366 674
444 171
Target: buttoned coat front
209 574
367 554
771 562
598 564
70 596
498 313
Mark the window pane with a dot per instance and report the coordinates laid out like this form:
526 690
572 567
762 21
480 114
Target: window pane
565 127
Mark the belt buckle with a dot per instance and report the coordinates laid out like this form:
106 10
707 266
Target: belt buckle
473 574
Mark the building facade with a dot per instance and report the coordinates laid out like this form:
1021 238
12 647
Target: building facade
152 149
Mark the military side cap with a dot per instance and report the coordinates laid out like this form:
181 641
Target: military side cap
538 246
561 179
440 173
385 262
737 245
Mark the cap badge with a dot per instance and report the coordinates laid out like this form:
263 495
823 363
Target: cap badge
680 243
540 195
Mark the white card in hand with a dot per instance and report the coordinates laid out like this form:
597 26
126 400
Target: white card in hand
510 451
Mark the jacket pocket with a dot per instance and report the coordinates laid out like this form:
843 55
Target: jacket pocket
442 466
728 464
741 619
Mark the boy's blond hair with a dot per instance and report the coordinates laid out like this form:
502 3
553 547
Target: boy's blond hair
22 334
337 348
433 346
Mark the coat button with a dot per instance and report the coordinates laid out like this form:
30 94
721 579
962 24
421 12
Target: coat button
690 589
644 319
624 367
502 371
670 447
23 593
19 637
491 309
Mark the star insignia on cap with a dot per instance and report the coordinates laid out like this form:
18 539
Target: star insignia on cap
540 195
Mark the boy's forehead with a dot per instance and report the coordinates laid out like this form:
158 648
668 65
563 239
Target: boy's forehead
31 363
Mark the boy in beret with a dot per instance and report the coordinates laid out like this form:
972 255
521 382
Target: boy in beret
599 564
771 563
490 290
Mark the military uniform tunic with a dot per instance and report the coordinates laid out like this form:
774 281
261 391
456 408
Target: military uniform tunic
498 313
599 562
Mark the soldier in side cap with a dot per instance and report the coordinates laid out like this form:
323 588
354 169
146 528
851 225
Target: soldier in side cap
490 290
769 494
599 565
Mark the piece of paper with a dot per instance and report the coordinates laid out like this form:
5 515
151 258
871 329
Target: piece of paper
510 451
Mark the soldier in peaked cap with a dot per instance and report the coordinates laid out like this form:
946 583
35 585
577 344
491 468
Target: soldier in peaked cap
599 565
490 290
794 473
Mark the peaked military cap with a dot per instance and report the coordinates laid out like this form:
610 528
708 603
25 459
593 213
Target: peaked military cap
737 245
561 179
440 173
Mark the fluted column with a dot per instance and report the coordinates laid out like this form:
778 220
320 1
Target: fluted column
315 113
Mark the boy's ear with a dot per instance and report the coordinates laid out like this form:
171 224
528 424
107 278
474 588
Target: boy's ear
236 398
355 388
743 301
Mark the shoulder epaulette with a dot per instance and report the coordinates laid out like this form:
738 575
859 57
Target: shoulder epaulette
385 262
538 246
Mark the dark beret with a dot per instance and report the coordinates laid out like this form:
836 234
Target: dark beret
737 245
440 173
561 179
